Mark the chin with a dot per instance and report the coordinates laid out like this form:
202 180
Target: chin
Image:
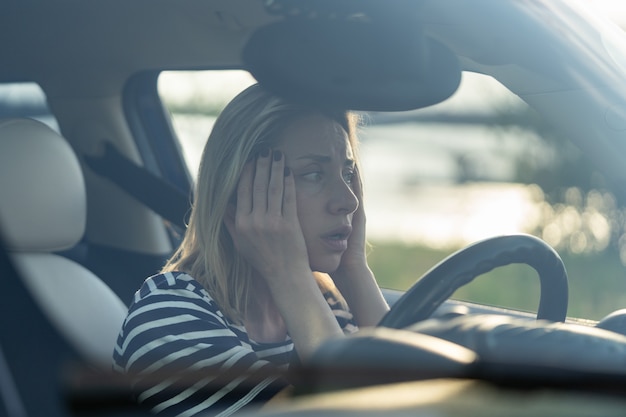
328 265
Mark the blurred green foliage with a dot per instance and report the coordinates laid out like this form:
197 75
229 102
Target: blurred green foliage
597 280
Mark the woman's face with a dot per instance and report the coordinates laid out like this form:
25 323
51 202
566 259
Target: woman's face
319 154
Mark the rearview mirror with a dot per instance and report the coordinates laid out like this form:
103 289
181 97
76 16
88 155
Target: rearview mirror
369 65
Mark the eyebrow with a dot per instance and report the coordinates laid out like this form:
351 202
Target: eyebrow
324 159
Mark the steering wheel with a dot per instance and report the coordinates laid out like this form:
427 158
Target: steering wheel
408 345
460 268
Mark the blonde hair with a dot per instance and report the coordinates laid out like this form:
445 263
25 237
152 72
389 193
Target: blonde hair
251 121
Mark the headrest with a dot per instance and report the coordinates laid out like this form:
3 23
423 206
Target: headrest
42 191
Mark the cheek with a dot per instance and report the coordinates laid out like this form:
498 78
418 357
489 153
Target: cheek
308 214
306 197
308 189
310 210
303 205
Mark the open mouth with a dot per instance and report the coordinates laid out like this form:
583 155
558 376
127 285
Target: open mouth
337 240
338 236
336 244
340 233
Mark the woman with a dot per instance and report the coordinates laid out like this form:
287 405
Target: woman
276 237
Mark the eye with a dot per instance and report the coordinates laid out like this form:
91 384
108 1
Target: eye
348 176
313 176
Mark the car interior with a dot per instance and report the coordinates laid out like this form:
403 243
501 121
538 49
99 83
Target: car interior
95 193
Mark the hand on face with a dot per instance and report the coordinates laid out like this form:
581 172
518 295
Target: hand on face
266 230
354 258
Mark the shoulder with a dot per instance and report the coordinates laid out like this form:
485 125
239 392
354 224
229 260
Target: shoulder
169 312
173 286
337 303
174 281
331 292
173 294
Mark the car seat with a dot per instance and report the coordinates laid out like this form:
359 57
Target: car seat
42 211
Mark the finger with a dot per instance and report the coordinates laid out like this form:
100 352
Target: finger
290 208
357 183
261 180
244 190
357 187
275 188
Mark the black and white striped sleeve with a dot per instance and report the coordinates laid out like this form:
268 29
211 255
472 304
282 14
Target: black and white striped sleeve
185 356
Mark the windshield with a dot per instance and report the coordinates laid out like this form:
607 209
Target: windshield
512 151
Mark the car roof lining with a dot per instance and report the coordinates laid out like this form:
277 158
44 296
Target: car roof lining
30 36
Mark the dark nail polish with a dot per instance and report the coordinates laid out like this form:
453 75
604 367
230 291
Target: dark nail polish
287 171
278 155
265 152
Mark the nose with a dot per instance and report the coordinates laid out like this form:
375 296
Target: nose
343 199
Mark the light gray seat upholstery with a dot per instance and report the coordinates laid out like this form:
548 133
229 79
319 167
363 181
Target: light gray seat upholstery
43 210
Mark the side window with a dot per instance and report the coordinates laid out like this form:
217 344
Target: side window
478 165
25 100
194 100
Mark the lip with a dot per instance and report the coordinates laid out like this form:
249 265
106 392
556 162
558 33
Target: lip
337 239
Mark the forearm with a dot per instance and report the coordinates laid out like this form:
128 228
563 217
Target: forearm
363 296
306 313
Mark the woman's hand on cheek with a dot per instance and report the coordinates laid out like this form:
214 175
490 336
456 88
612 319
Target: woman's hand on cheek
266 230
354 259
354 278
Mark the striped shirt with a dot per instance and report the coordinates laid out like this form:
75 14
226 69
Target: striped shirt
174 328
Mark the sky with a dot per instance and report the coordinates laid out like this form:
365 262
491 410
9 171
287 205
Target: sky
613 9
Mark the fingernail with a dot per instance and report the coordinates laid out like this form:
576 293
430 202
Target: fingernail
265 152
287 172
278 155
